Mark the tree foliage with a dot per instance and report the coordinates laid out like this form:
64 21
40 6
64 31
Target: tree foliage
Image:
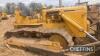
24 9
35 6
10 8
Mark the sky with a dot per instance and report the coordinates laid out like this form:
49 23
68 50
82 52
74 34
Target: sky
48 2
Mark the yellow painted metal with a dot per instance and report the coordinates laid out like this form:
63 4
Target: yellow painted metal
59 39
25 20
75 19
4 14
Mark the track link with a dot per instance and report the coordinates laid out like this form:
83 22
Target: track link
39 33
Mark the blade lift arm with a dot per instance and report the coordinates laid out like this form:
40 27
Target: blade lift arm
77 25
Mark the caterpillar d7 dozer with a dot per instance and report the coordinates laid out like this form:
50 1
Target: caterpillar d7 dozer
52 29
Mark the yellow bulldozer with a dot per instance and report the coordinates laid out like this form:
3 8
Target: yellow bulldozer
51 29
3 16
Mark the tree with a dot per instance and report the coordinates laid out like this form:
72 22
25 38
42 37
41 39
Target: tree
50 6
10 8
35 6
24 9
0 9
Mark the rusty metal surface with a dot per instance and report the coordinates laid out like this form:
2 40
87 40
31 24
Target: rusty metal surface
33 47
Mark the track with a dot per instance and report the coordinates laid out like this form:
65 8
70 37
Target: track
40 33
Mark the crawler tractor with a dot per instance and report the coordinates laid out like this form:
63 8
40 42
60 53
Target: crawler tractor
52 29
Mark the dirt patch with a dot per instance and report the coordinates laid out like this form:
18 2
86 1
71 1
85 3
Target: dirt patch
7 25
